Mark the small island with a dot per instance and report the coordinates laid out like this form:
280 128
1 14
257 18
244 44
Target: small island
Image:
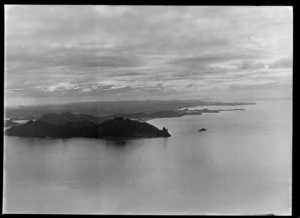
83 126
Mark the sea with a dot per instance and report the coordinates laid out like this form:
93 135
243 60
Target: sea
240 166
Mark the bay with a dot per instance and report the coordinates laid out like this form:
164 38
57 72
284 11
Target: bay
240 165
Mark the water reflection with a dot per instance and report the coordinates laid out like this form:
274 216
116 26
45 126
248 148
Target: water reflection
117 142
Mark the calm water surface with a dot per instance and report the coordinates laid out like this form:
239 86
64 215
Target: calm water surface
241 165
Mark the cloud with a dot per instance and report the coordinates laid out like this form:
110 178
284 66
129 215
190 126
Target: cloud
217 59
63 86
282 63
112 11
260 86
245 64
73 58
92 50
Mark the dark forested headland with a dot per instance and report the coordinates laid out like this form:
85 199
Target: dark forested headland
118 127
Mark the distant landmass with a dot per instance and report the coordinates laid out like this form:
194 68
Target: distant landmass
85 119
155 115
70 119
103 119
9 123
118 127
144 110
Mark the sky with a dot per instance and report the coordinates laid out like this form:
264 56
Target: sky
62 54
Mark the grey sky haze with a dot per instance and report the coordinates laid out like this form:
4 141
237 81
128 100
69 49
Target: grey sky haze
60 54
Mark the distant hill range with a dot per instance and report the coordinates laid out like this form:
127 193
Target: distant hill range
68 125
68 118
144 109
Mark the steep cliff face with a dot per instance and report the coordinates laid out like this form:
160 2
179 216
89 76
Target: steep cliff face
118 127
